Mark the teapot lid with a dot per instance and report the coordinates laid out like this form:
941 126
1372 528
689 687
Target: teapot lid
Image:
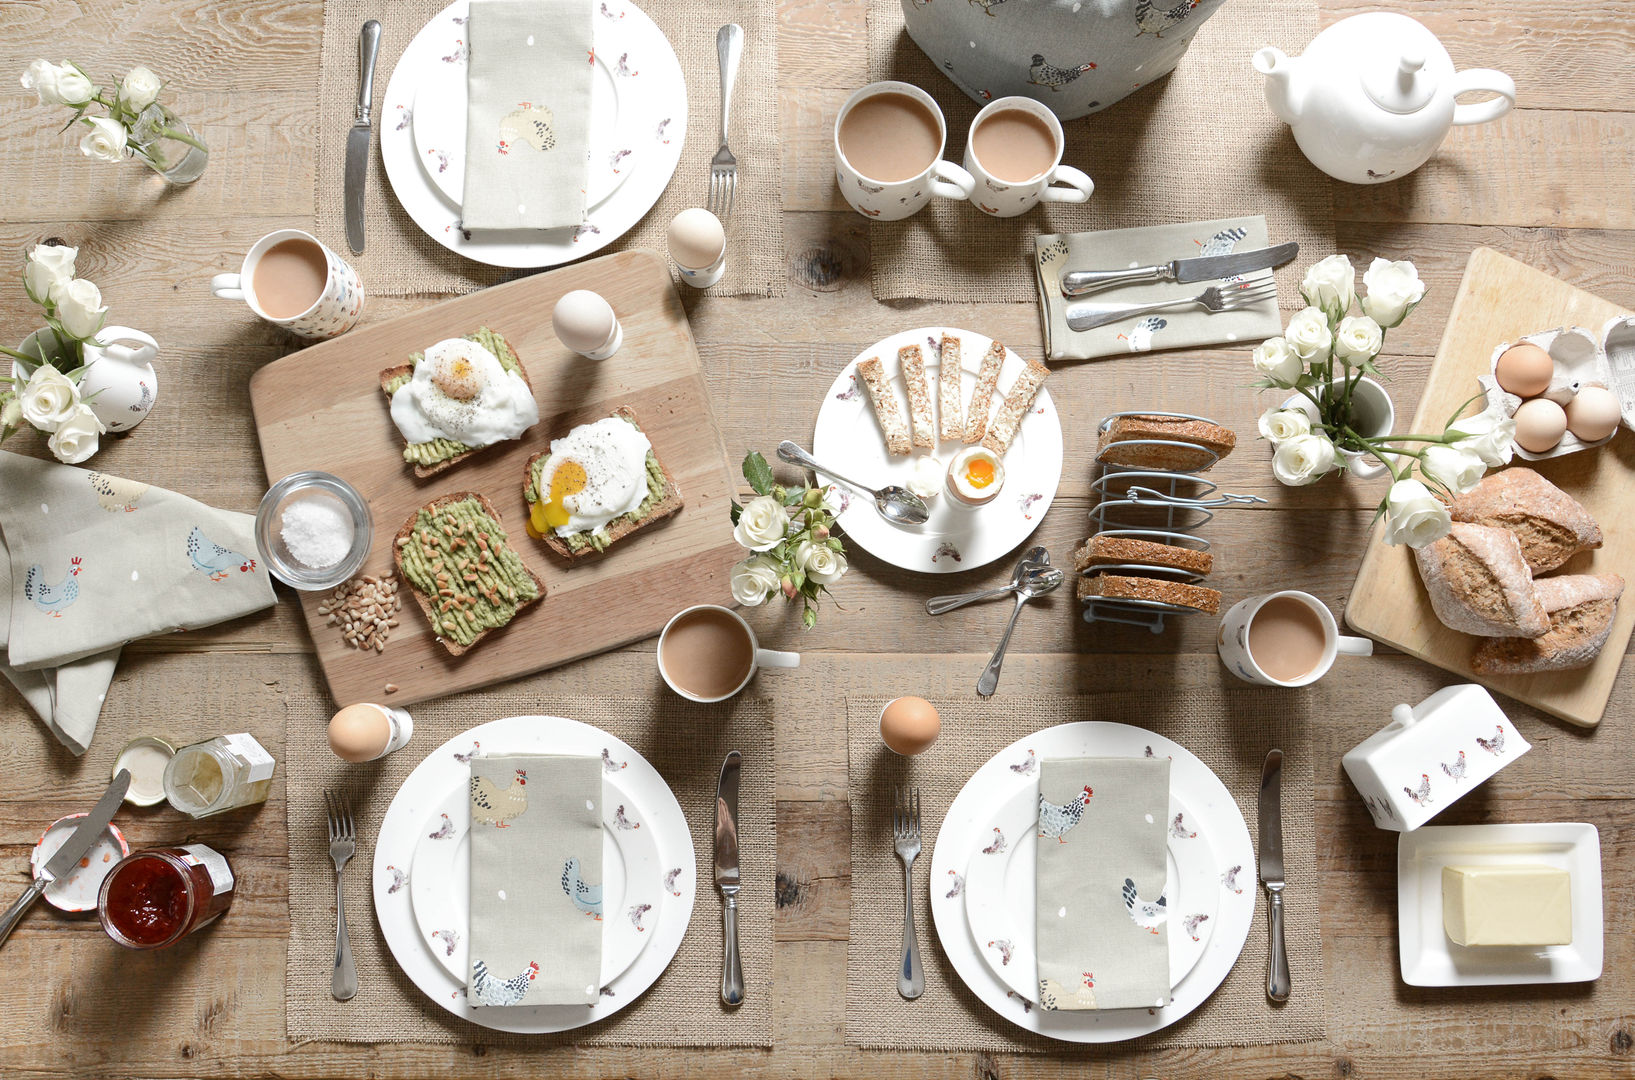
1400 83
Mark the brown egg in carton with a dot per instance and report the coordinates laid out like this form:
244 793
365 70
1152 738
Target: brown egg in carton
1579 360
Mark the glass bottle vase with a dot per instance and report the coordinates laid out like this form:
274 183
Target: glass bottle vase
167 145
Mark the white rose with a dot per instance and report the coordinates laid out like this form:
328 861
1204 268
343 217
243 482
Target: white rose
76 437
1393 290
754 580
105 141
762 524
1275 360
1303 459
1281 425
58 85
820 562
1414 516
140 88
49 398
1456 468
1358 339
79 308
1490 435
49 265
1331 285
1308 335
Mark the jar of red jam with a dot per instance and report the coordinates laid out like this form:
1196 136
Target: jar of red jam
153 899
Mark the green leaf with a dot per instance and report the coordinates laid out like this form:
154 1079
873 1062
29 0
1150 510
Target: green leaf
794 496
758 472
1459 412
737 511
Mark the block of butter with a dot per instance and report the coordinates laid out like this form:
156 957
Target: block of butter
1507 905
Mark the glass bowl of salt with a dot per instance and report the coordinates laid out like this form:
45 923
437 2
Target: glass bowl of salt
314 530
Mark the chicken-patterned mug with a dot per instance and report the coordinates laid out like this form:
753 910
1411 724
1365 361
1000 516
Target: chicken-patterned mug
334 312
1311 661
1007 195
702 660
887 200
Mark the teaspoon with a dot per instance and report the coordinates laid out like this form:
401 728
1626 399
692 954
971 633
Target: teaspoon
1028 589
896 504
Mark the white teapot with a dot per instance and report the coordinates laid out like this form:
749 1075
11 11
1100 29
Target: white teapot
1373 96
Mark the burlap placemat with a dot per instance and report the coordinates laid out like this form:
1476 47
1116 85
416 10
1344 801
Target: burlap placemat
1199 144
1229 733
685 742
400 260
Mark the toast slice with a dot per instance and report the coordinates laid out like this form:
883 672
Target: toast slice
393 377
885 406
1208 443
950 391
911 359
987 381
1016 406
457 560
1120 587
1103 550
667 503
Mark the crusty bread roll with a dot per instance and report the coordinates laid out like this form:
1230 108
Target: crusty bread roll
1581 609
1479 583
1550 524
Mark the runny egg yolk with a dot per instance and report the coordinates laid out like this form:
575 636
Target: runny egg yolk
979 473
550 512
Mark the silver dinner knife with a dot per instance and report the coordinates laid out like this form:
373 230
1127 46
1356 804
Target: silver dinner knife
90 827
357 140
1271 873
1205 268
726 878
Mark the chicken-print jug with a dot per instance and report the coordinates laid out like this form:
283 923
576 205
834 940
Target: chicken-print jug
119 383
1373 96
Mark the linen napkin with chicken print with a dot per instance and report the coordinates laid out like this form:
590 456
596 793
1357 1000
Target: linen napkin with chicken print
1102 933
536 880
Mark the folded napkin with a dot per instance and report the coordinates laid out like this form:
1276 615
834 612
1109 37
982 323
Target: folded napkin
528 115
536 880
90 562
1117 249
1102 939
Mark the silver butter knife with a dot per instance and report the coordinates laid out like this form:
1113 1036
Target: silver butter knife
357 140
90 827
726 878
1206 268
1271 873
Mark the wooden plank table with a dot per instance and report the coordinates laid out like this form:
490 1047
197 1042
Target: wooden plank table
1550 185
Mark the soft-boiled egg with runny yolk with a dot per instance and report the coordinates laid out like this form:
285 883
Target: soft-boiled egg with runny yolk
460 391
594 474
975 475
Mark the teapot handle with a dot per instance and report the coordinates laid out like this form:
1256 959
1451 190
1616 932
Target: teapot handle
1483 80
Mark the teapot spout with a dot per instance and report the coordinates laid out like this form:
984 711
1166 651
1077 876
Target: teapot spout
1279 68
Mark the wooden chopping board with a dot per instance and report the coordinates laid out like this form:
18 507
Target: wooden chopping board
322 408
1499 300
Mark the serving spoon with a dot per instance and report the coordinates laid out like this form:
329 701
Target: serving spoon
896 504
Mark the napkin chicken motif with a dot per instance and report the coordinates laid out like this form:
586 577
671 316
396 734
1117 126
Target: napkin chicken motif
1102 913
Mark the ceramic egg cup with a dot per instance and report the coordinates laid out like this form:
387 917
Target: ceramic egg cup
1581 359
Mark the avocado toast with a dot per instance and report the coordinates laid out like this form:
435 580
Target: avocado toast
431 458
662 500
456 557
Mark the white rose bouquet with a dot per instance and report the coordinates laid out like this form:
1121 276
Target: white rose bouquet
1323 356
45 391
137 124
791 535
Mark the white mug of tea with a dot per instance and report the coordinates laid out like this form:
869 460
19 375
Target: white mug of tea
1284 638
708 653
1014 153
889 139
292 280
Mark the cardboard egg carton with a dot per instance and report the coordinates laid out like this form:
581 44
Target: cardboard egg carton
1581 359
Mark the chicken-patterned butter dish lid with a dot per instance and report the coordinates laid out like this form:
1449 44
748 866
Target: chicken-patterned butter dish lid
1431 754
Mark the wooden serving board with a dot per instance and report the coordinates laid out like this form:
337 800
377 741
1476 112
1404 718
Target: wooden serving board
1499 300
322 408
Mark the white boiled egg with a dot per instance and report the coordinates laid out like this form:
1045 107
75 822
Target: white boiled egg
583 321
460 391
1593 413
596 472
696 238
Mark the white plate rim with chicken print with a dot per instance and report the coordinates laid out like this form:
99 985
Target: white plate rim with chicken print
440 881
1000 893
848 438
1015 768
446 768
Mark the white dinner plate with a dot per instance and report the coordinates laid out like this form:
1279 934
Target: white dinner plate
632 881
1000 896
1015 769
650 107
849 439
1429 958
424 794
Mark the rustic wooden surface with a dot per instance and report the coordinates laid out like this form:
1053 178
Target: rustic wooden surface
1550 185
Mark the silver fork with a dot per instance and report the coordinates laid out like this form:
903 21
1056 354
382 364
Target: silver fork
729 47
343 844
905 830
1214 299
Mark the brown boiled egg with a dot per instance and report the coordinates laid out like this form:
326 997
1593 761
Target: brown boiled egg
1540 424
1524 370
910 725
